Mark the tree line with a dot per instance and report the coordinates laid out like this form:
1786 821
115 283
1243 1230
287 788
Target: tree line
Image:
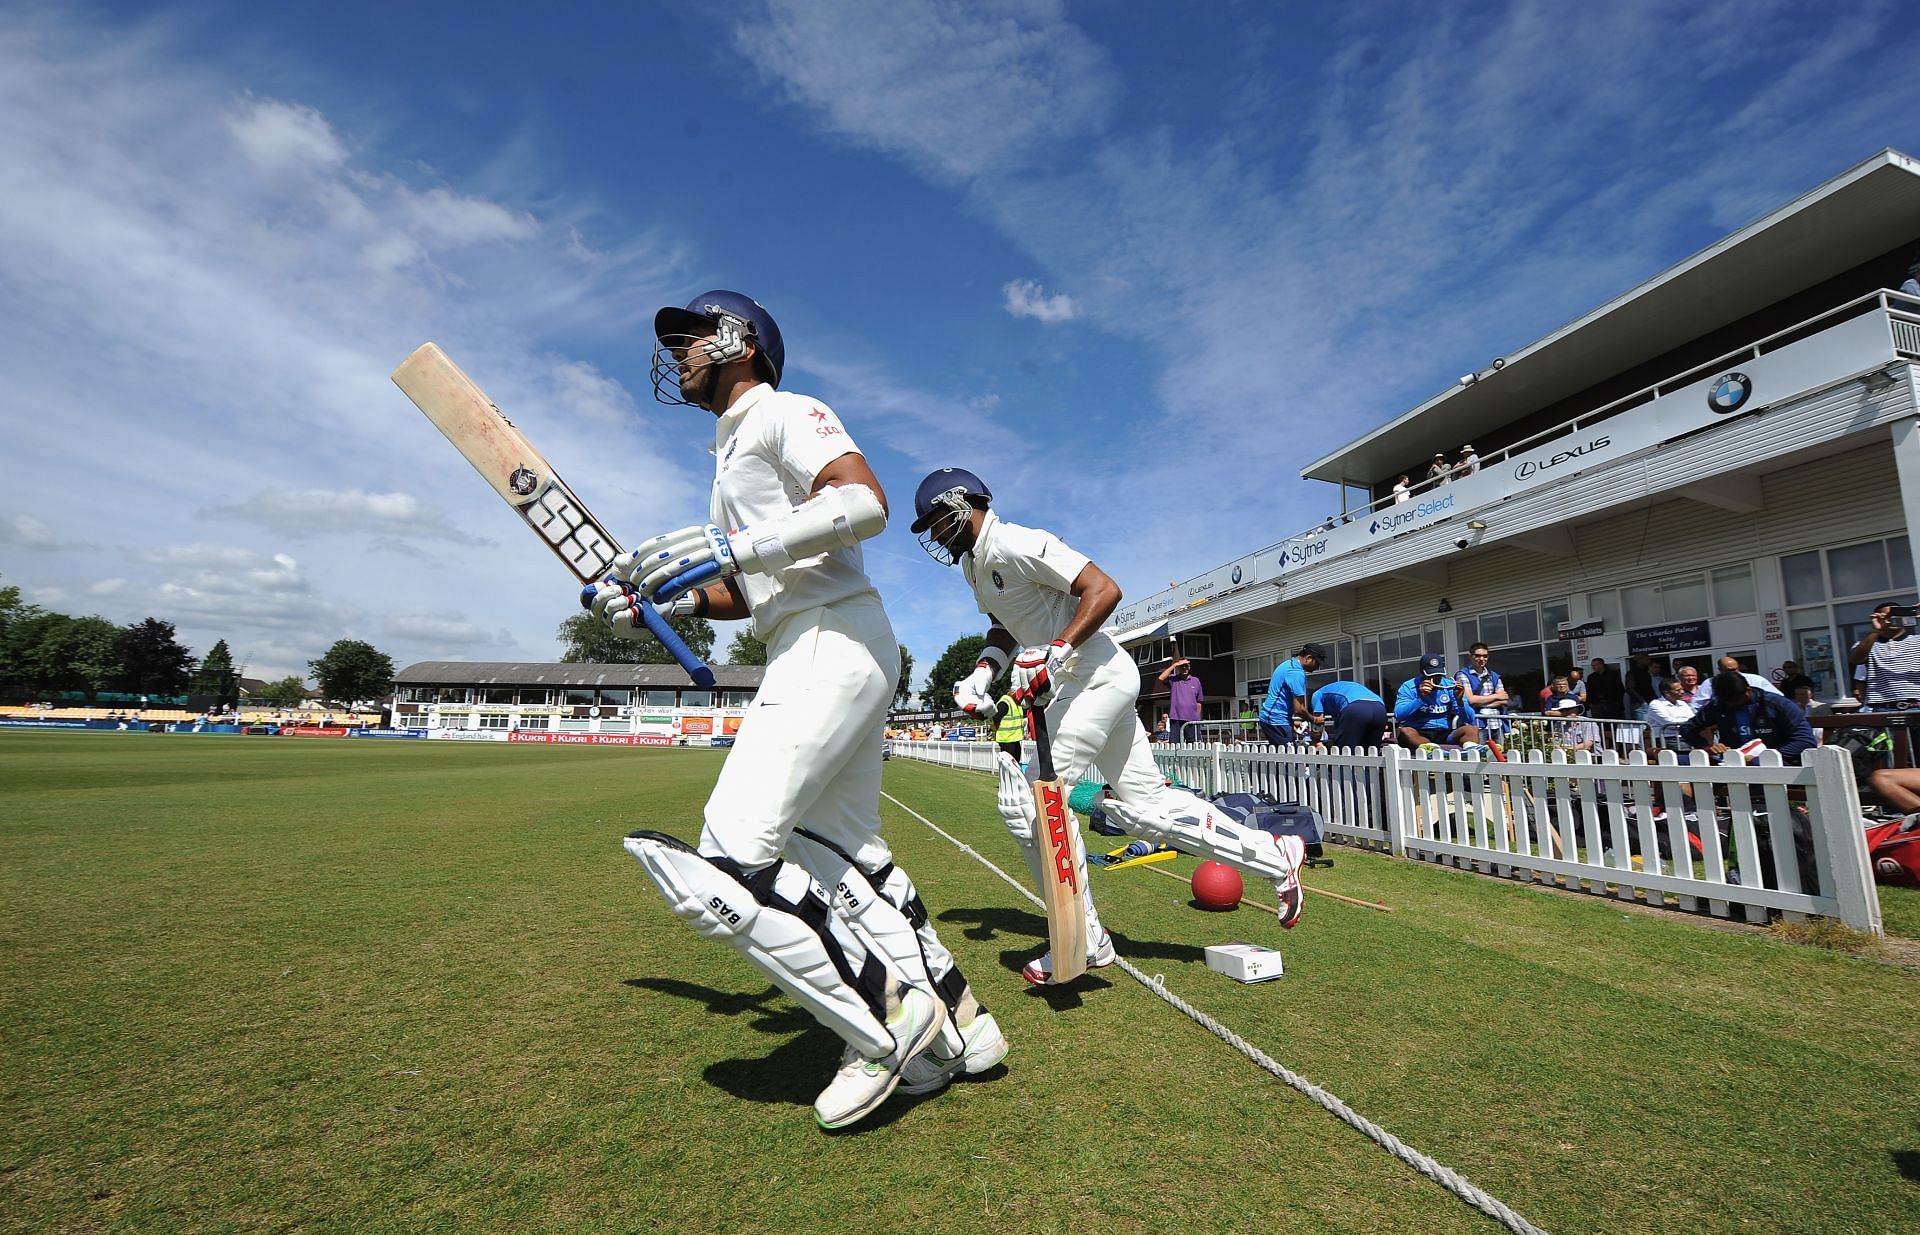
46 655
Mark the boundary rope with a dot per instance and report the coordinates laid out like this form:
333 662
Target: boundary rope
1438 1172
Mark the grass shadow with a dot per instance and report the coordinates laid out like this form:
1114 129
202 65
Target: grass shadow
1907 1162
772 1014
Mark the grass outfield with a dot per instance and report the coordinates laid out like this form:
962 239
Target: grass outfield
358 986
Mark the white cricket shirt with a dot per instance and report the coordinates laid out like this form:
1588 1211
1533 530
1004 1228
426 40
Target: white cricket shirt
767 449
1023 578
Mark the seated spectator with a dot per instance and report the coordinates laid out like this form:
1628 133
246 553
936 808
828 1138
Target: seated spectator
1429 710
1738 714
1689 682
1558 688
1804 700
1667 714
1790 679
1574 731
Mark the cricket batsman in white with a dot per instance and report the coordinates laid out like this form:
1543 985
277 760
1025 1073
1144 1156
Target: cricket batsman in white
1043 597
791 870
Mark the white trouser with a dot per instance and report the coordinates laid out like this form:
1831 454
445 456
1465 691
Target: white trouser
808 750
1097 733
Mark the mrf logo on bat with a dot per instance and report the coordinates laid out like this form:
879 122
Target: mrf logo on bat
1056 812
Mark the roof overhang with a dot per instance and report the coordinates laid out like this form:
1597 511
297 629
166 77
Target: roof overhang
1858 215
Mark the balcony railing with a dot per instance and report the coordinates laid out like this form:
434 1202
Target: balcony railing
1839 344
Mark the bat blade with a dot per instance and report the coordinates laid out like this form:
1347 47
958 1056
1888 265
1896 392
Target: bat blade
524 479
1066 874
505 458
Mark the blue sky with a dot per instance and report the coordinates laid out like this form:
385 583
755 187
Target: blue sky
1135 264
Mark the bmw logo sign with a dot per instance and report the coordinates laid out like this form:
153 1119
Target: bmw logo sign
1236 574
1729 394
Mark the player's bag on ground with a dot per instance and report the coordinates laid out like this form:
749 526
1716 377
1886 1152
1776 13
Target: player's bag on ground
1280 818
1893 848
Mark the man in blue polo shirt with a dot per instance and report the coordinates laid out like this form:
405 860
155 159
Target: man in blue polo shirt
1287 696
1358 716
1431 711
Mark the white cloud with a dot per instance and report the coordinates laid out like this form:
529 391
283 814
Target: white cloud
282 137
308 512
27 532
1026 298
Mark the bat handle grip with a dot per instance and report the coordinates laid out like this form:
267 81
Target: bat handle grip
676 646
1043 748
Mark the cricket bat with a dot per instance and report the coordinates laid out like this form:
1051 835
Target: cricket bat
522 477
1066 910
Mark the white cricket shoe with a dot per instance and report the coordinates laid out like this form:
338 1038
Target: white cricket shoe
862 1084
1040 970
983 1047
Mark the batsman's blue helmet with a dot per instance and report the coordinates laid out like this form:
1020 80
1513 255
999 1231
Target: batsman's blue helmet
948 489
707 309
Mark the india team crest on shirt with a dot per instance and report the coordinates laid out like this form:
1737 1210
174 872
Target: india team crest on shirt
999 584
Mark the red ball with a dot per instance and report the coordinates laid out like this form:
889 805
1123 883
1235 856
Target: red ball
1217 886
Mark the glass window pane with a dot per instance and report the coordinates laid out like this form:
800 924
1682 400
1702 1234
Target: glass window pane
619 698
1523 626
1900 562
1684 599
1801 573
1606 607
1859 569
1641 606
1469 632
1493 628
1553 614
1733 590
581 695
696 698
1436 639
1370 650
657 698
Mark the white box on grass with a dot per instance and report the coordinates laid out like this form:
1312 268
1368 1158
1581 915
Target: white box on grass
1245 962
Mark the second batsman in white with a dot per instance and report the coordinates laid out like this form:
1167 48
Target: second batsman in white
1042 596
791 870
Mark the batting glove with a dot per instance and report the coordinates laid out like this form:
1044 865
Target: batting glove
618 605
971 693
669 565
1035 672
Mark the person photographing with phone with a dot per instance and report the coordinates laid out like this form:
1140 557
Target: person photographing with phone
1891 657
1430 710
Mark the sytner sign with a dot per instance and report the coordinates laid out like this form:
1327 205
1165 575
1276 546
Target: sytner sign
1746 385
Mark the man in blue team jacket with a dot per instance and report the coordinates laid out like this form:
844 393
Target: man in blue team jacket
1737 714
1430 710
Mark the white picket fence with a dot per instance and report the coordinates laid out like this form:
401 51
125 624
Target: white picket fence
1607 826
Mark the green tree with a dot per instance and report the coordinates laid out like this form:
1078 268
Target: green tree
353 670
284 693
153 660
903 689
954 663
216 675
92 654
746 650
585 640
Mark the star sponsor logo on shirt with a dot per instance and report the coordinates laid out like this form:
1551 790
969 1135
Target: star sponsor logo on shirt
823 423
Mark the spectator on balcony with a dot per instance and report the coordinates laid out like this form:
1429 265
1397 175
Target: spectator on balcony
1891 656
1561 685
1437 474
1287 695
1577 685
1912 286
1469 462
1639 685
1689 682
1606 693
1738 713
1572 731
1480 685
1430 711
1184 697
1402 490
